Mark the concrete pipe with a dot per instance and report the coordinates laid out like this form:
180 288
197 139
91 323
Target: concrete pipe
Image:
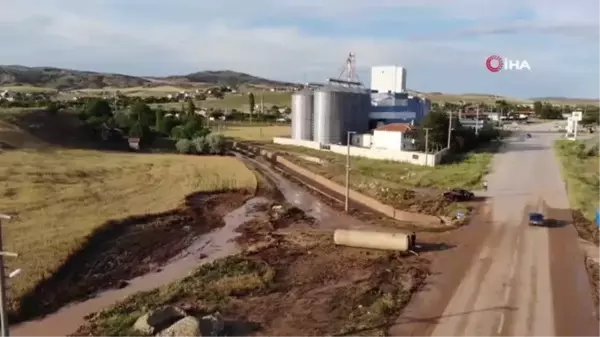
375 240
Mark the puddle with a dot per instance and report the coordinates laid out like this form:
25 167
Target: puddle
211 246
326 216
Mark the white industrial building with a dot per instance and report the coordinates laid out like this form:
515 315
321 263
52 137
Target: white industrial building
388 79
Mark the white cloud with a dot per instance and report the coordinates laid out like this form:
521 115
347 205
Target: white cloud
140 37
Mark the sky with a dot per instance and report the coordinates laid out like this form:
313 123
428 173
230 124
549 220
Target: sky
443 44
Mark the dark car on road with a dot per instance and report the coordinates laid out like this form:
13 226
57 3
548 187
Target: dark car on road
536 219
458 194
528 135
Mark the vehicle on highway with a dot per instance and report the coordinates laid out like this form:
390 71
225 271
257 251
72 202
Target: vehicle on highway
458 194
536 219
528 135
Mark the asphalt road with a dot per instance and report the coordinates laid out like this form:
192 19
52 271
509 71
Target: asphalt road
524 280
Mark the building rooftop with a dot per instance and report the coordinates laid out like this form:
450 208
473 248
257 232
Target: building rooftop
397 127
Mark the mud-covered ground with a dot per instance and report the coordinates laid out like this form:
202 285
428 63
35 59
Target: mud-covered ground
594 274
290 280
379 220
127 248
586 229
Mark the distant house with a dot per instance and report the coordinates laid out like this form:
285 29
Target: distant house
394 136
8 95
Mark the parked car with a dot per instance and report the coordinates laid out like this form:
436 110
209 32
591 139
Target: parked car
458 194
536 219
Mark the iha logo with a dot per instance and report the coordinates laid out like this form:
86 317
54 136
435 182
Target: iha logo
496 63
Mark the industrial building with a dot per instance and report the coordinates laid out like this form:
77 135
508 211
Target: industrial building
388 79
391 108
380 122
325 114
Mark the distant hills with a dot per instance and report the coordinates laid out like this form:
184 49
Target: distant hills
68 79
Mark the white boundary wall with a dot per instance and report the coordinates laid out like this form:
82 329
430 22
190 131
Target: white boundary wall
412 157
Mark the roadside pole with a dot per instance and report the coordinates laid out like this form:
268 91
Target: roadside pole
449 129
477 121
426 143
3 297
347 196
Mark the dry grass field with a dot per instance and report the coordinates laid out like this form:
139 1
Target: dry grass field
60 197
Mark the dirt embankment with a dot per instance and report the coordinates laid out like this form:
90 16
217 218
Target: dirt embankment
127 248
290 280
594 275
586 229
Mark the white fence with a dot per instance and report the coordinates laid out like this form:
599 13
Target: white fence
412 157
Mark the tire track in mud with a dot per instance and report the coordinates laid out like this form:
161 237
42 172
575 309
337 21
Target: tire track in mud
574 311
485 262
426 308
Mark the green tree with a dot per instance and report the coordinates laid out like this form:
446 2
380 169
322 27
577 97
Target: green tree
184 146
216 143
437 122
98 108
122 120
142 113
158 117
191 108
201 144
251 102
537 108
168 123
52 108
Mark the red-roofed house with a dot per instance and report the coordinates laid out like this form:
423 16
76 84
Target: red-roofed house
395 136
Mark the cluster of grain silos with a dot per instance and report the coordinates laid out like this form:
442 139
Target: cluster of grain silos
327 113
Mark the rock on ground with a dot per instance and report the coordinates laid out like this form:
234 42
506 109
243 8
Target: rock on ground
159 319
188 326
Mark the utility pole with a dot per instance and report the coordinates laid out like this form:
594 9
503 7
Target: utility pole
3 299
262 102
449 128
426 143
347 170
477 121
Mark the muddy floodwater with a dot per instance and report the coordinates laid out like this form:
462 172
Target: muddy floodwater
209 247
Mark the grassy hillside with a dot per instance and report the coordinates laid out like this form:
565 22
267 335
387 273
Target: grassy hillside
67 79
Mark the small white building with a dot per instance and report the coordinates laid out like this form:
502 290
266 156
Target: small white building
395 136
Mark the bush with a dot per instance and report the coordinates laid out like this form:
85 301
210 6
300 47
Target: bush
167 124
178 132
216 143
184 146
122 120
201 145
136 131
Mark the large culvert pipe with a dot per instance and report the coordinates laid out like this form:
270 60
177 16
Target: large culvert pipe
375 240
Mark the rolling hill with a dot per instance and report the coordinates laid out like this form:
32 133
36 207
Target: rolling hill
68 79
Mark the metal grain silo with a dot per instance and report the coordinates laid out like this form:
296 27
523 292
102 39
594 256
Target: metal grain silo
364 110
327 129
302 115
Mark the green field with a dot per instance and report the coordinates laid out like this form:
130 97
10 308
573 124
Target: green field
580 170
27 89
391 182
237 101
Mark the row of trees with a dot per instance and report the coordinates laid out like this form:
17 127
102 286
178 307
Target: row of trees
462 139
141 121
